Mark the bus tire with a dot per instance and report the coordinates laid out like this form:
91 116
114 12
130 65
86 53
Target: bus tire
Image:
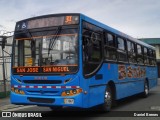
146 90
106 106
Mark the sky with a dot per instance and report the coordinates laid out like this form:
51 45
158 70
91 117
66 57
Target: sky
137 18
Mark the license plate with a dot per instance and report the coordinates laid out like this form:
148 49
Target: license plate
69 101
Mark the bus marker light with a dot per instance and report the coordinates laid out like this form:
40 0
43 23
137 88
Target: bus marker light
68 101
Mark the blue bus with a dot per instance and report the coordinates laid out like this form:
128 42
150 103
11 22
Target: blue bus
72 60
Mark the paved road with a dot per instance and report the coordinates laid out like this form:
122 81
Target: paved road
135 103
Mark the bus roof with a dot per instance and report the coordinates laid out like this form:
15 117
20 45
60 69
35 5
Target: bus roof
98 24
115 31
49 15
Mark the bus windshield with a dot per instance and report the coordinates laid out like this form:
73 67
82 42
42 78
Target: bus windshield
47 48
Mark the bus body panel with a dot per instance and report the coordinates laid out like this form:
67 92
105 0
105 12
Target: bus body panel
52 91
57 100
125 87
128 89
152 75
93 87
96 95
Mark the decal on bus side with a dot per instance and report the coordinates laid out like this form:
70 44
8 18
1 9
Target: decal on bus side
130 72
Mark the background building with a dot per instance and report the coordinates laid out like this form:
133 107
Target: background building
156 43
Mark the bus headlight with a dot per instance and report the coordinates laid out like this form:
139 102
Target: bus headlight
67 92
74 91
17 91
21 92
71 92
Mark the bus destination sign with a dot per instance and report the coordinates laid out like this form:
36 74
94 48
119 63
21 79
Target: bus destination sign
45 69
47 22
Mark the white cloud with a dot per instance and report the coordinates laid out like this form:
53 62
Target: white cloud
138 18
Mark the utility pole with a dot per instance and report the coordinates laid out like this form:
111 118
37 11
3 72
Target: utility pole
3 41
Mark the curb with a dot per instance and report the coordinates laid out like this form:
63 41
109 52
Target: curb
20 108
10 106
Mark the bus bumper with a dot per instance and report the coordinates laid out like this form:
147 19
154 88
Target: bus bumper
72 101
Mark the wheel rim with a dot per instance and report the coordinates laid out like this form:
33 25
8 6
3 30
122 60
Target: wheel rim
108 100
146 89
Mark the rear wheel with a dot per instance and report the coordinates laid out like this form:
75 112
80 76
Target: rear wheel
146 90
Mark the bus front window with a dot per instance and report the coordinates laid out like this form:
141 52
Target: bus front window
46 48
60 51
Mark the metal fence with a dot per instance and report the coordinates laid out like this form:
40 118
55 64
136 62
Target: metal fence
8 88
5 67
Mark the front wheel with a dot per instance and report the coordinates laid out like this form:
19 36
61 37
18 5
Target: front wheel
106 106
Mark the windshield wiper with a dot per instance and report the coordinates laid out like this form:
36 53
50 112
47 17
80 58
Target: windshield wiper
32 44
52 41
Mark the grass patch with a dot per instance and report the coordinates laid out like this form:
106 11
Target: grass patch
2 94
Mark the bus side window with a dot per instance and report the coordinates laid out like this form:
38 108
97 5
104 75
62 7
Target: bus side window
131 52
86 45
110 48
139 54
122 54
150 57
146 59
154 58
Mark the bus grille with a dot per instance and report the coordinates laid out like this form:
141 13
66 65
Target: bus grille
40 92
42 81
41 100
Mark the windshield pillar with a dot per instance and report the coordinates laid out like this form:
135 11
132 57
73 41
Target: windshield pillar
20 53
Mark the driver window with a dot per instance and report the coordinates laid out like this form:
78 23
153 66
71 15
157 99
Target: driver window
91 50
